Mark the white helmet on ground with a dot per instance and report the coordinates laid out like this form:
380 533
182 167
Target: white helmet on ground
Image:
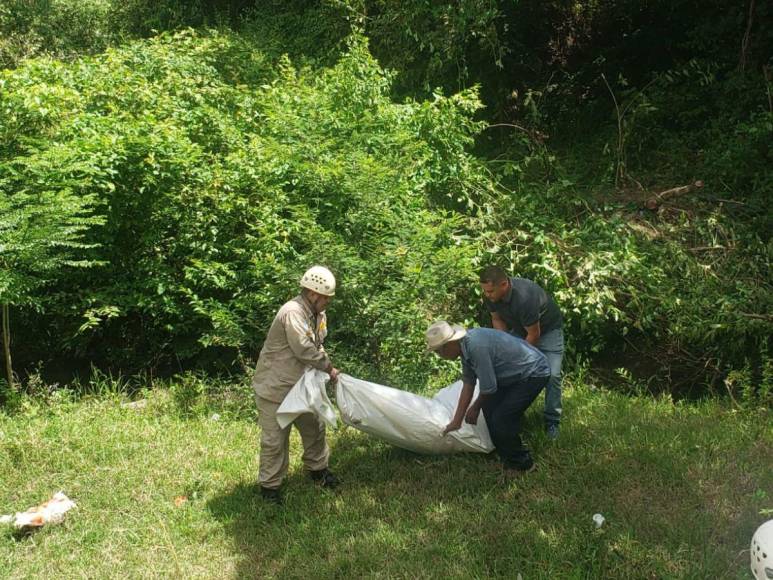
762 551
320 280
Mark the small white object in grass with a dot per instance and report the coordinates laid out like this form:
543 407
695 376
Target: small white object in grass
141 404
215 417
598 519
49 512
6 519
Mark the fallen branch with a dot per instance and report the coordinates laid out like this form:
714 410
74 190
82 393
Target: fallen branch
654 202
706 248
534 135
765 317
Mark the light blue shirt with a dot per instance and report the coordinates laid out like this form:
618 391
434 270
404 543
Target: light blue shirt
494 357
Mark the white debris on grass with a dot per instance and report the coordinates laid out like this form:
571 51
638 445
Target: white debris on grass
49 512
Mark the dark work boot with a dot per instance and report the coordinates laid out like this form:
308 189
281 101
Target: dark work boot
271 495
512 472
325 478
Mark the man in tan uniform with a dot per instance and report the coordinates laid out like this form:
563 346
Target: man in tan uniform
293 343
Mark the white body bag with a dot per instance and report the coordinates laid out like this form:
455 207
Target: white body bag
403 419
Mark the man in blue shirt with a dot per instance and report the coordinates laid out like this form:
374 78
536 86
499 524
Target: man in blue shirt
510 372
525 310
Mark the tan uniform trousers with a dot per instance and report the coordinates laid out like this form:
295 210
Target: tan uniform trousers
275 444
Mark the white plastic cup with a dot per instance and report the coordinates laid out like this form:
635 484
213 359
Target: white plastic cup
598 519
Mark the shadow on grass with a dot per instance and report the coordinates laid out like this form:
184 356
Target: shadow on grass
650 468
21 535
395 511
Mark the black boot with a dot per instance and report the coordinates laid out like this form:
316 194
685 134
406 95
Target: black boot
325 478
271 495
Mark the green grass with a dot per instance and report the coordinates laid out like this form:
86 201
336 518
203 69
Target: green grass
682 486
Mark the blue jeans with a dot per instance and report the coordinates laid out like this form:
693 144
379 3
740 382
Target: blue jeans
552 346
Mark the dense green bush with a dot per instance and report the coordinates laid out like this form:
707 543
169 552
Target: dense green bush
221 177
221 170
687 288
29 28
71 28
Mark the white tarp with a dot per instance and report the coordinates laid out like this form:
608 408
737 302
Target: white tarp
403 419
308 395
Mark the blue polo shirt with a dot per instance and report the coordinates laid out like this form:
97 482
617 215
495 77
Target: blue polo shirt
497 358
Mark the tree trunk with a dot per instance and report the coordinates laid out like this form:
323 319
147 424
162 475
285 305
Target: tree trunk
747 37
7 347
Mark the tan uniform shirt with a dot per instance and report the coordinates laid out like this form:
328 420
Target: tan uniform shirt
293 343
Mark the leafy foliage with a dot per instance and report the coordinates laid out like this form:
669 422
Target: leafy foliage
688 288
40 232
70 28
217 192
221 169
43 221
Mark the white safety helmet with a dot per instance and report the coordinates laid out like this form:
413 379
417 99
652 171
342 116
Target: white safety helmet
762 551
320 280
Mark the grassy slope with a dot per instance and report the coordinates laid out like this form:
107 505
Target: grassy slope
681 486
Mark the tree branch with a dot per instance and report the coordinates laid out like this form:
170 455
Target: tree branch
654 202
765 317
747 37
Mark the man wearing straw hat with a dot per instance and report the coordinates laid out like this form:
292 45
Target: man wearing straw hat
510 372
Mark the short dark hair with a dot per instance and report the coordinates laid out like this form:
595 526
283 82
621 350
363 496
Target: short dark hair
493 275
